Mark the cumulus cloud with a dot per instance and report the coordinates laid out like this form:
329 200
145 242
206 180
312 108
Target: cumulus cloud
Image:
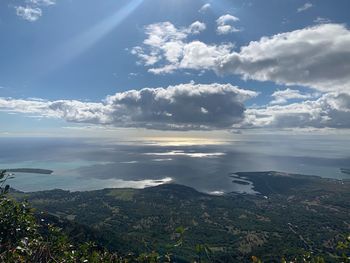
196 27
42 2
316 57
193 107
28 13
197 55
169 47
70 110
32 10
283 96
204 8
182 107
331 110
225 24
322 20
305 7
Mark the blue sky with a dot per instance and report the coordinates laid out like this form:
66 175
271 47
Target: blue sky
82 51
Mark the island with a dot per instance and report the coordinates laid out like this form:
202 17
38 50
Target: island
345 170
241 182
29 170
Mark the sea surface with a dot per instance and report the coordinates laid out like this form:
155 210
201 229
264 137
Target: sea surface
89 164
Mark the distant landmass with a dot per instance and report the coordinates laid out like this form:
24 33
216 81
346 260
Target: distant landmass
345 170
241 182
29 170
292 214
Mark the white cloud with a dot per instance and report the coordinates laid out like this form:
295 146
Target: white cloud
226 19
182 107
197 55
28 13
193 55
167 69
305 7
226 29
147 59
32 11
204 8
196 27
167 45
225 24
283 96
322 20
192 107
316 57
133 74
42 2
70 110
332 110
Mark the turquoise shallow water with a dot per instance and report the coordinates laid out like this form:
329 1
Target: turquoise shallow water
63 177
80 165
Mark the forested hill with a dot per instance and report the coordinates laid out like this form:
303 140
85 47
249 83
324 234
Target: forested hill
29 170
293 215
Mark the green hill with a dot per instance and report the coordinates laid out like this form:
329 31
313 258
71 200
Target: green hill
294 214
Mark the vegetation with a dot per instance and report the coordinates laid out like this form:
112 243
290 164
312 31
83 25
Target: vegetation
30 170
301 222
24 238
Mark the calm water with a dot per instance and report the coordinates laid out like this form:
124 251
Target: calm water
94 163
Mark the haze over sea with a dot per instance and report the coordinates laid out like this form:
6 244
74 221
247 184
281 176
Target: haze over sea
204 164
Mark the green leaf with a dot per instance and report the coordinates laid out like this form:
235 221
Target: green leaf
180 230
2 174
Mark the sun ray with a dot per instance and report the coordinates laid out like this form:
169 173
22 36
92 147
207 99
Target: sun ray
84 41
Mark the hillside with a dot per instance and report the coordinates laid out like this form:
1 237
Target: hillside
293 214
29 170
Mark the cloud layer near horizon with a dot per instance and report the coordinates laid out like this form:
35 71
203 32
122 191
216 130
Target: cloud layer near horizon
191 107
182 107
332 110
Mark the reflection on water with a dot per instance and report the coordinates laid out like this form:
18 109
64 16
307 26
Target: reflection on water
95 164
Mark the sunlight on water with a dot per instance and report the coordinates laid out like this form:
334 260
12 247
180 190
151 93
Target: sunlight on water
94 164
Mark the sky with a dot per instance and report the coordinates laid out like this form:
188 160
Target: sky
160 67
